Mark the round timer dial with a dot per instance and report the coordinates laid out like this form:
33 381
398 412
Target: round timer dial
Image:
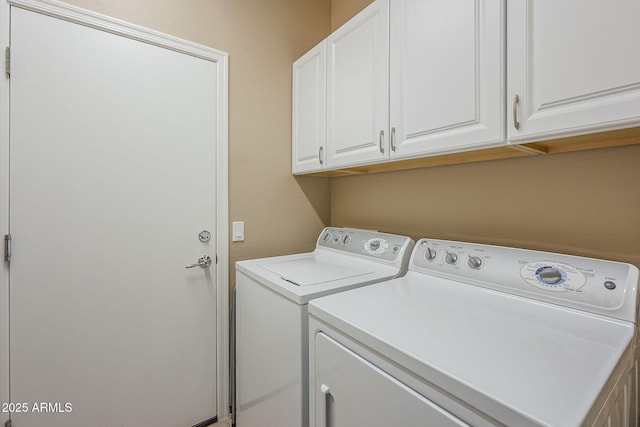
553 276
376 246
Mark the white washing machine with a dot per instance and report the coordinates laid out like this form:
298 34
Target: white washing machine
479 335
271 323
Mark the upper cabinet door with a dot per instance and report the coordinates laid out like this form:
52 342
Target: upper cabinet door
447 69
357 88
574 66
309 106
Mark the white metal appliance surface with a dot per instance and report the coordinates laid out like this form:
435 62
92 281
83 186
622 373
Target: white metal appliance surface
272 323
479 335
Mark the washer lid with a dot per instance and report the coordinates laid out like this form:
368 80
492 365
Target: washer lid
312 271
301 277
520 361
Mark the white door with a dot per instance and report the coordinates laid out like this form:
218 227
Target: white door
358 88
309 118
447 72
574 66
112 179
350 391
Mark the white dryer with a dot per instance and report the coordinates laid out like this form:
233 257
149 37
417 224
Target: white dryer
271 320
480 335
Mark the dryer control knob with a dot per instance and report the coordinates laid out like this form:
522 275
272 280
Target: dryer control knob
451 258
550 275
430 254
474 262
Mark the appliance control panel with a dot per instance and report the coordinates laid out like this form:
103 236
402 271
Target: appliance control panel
370 244
588 284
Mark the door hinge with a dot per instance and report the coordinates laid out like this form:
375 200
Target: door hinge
7 247
7 61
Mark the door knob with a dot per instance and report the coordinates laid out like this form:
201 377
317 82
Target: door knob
204 261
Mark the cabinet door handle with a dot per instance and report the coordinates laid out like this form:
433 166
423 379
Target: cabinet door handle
516 123
320 155
326 395
393 139
382 141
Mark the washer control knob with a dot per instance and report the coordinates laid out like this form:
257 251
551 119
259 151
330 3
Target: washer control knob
474 262
430 254
451 258
550 275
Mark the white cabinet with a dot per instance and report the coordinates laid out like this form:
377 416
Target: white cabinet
405 78
574 65
350 391
340 95
309 111
447 70
358 87
415 78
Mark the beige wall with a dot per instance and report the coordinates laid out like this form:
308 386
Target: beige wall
282 214
585 203
343 10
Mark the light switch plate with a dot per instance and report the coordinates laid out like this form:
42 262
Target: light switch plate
238 231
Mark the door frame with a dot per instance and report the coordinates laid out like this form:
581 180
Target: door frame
221 59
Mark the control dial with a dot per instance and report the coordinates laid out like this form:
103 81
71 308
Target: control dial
376 246
549 275
451 258
554 276
474 262
430 254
